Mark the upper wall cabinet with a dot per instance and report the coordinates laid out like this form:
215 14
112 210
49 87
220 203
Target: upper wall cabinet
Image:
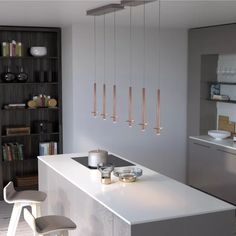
206 47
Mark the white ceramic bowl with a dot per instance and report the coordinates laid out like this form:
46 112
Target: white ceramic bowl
219 134
38 51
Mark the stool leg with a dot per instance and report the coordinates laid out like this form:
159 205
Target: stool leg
15 216
36 210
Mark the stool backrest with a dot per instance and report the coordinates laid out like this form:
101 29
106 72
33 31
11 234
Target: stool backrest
8 192
29 218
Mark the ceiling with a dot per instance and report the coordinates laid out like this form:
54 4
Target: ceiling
174 14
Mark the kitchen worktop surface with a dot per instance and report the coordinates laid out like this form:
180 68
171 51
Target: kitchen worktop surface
154 197
227 143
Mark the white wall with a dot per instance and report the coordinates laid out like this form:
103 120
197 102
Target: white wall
227 63
165 153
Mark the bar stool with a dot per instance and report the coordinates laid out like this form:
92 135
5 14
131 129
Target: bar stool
49 224
21 199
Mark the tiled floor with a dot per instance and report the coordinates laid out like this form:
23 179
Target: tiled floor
5 213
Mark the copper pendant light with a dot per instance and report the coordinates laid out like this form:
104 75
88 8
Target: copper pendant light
130 118
114 115
158 92
104 114
94 112
144 122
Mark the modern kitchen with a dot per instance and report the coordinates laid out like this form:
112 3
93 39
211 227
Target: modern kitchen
118 118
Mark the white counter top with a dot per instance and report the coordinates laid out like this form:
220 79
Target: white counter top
227 143
154 197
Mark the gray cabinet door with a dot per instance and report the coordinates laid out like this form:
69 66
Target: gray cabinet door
226 166
200 158
212 169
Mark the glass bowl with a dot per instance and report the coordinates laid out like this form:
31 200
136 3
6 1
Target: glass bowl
128 175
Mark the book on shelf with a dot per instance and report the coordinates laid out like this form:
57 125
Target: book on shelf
47 148
12 152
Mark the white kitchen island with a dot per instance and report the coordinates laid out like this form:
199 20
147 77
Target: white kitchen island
155 205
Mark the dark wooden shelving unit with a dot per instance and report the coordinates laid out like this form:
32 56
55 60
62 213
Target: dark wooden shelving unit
16 92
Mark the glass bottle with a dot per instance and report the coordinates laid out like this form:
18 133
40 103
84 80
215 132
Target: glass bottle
22 76
8 76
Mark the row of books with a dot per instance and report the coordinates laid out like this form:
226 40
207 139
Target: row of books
47 148
12 151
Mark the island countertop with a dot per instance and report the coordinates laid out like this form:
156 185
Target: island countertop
154 197
227 143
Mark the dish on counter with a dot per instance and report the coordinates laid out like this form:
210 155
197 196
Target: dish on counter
128 175
219 134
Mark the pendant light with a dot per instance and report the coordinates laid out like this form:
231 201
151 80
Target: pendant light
144 123
114 115
94 112
130 120
158 91
104 114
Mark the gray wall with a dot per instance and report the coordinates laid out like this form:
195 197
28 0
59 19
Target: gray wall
165 153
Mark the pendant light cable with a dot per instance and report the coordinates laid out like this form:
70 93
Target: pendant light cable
158 108
104 78
144 123
130 109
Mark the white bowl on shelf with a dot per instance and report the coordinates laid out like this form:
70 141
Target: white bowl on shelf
38 51
219 134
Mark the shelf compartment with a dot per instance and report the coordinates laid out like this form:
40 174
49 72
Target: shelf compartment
32 109
29 83
30 135
28 57
19 161
230 101
221 83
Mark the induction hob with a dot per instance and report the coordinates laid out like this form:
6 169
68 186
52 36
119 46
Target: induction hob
116 161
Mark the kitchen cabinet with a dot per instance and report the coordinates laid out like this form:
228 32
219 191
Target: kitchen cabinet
205 44
212 169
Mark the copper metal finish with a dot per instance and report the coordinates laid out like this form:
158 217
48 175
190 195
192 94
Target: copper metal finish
104 103
114 116
94 100
130 120
144 123
158 114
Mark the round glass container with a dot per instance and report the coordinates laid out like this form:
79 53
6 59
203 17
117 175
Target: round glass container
128 175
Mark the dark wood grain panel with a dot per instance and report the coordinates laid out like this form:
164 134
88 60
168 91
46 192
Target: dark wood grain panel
48 68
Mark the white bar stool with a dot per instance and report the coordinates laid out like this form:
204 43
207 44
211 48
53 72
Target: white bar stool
49 224
21 199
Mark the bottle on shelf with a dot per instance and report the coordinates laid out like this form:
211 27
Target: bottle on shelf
5 49
22 76
8 76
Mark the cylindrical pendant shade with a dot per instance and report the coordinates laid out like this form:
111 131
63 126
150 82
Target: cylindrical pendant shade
104 102
114 116
130 120
158 113
94 99
144 123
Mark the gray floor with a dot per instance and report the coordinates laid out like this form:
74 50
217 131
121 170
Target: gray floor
5 213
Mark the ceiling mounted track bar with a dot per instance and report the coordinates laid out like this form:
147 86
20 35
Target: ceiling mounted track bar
134 3
105 9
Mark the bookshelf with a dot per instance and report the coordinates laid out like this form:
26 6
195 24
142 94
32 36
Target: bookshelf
25 169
